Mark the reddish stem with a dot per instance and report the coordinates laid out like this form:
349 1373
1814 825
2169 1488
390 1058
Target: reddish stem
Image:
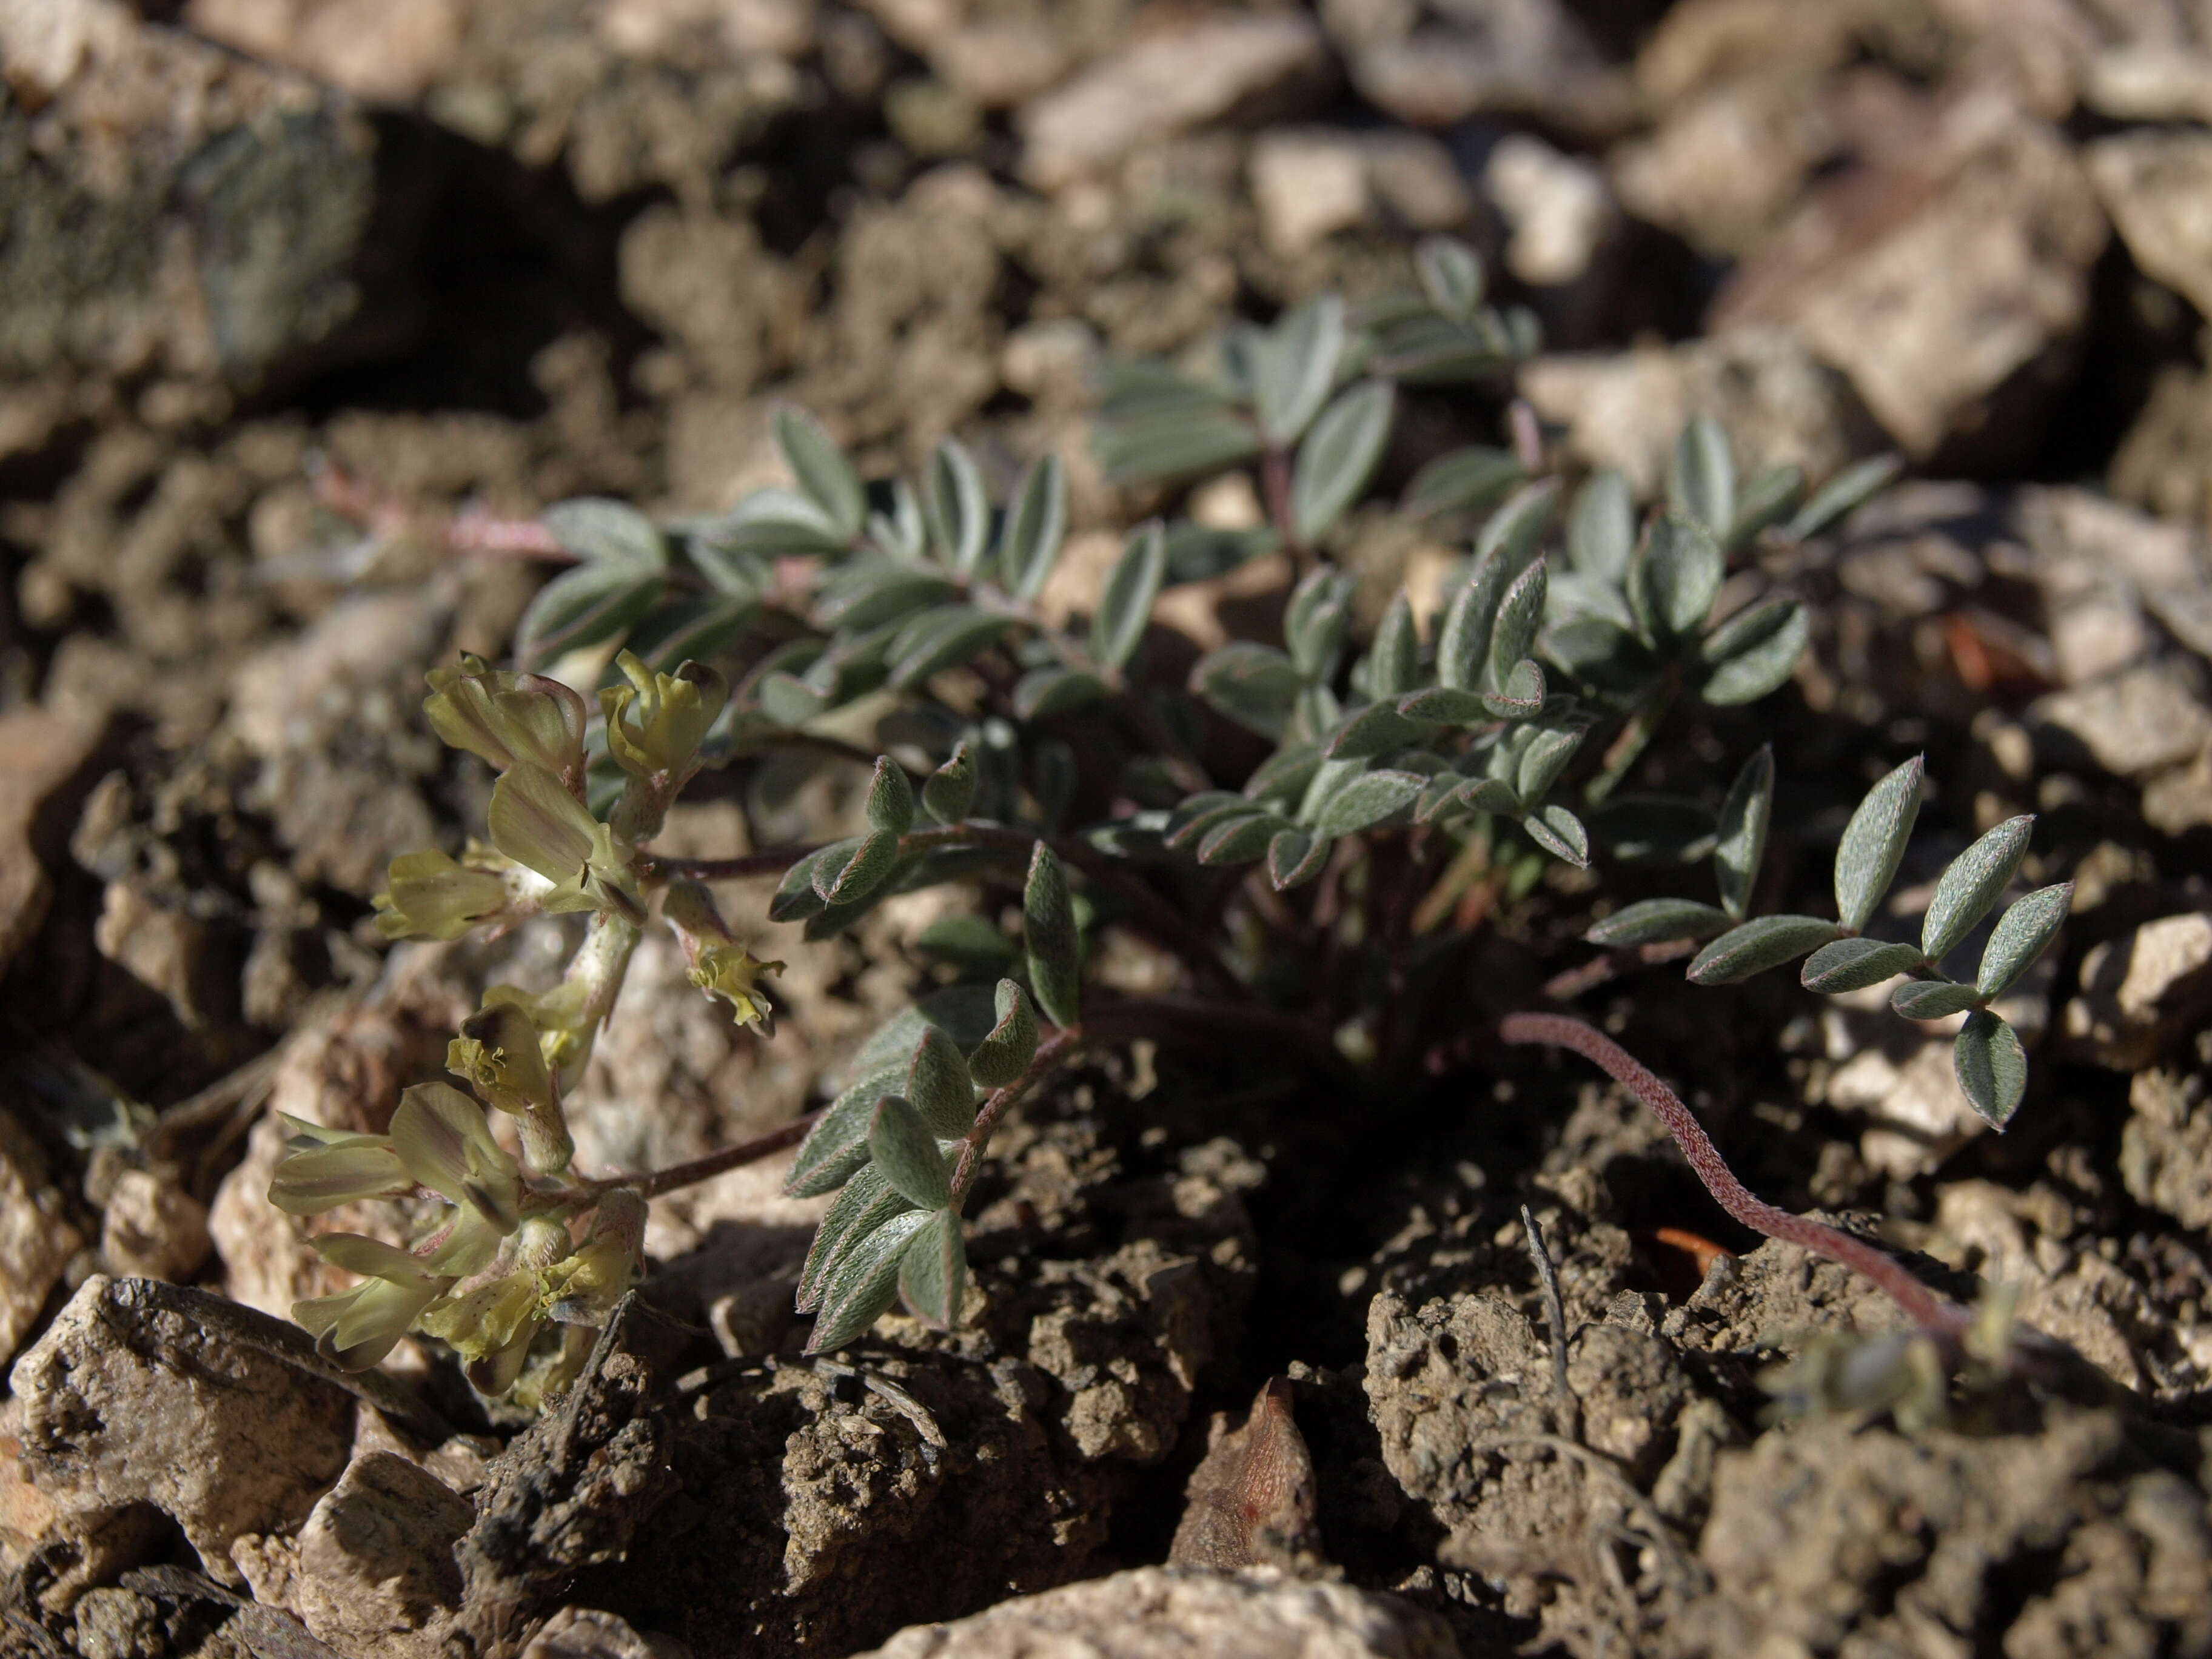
705 1168
1928 1310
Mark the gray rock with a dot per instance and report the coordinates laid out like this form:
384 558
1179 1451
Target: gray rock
2166 1150
1435 65
2137 722
2140 990
114 1389
1166 1612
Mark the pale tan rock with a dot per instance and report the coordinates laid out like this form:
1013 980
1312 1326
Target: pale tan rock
588 1633
1308 185
1779 403
1558 207
37 1238
380 48
124 1405
154 1229
2141 990
2135 723
2157 186
1161 85
40 752
1932 284
1166 1612
1435 65
163 949
372 1573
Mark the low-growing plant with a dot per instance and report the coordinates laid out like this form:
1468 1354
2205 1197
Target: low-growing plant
1414 776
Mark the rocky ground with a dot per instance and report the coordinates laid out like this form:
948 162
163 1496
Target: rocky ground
455 255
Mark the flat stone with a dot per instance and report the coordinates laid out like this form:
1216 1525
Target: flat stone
2142 990
2158 187
37 1238
2135 723
1162 85
1166 1612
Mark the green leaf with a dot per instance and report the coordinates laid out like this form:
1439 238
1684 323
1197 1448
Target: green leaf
1199 553
1463 640
1451 276
1339 457
1296 366
1314 620
934 1271
607 532
1199 812
1756 946
1036 528
858 873
1674 577
788 701
837 1146
1858 483
1240 840
904 1150
1048 930
1394 661
950 790
1520 693
1168 448
1367 800
900 533
1125 606
794 898
2020 936
1654 921
1462 480
1514 629
1376 729
1766 501
1852 964
1874 842
956 508
1741 832
770 522
1283 775
1701 475
585 606
861 1286
1602 527
890 797
865 1205
867 594
822 470
1441 705
1932 998
1515 531
1971 884
1991 1067
939 1089
1545 753
1006 1053
1465 795
949 636
1559 832
1043 692
971 944
1255 685
1295 858
1757 650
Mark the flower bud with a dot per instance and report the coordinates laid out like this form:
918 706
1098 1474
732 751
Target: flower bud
657 722
507 719
719 966
430 895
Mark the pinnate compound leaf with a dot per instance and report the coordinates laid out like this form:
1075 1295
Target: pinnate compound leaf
1852 964
1990 1067
607 532
2020 936
1125 606
1855 484
860 1286
1462 480
1255 685
1339 457
950 790
1367 800
1296 365
1657 921
1874 842
1932 998
822 470
1701 475
837 1145
933 1272
1971 883
1036 528
1756 946
1740 840
1759 648
1005 1054
956 510
1602 526
1050 932
1559 832
890 797
905 1150
939 1086
1295 857
1674 577
843 880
